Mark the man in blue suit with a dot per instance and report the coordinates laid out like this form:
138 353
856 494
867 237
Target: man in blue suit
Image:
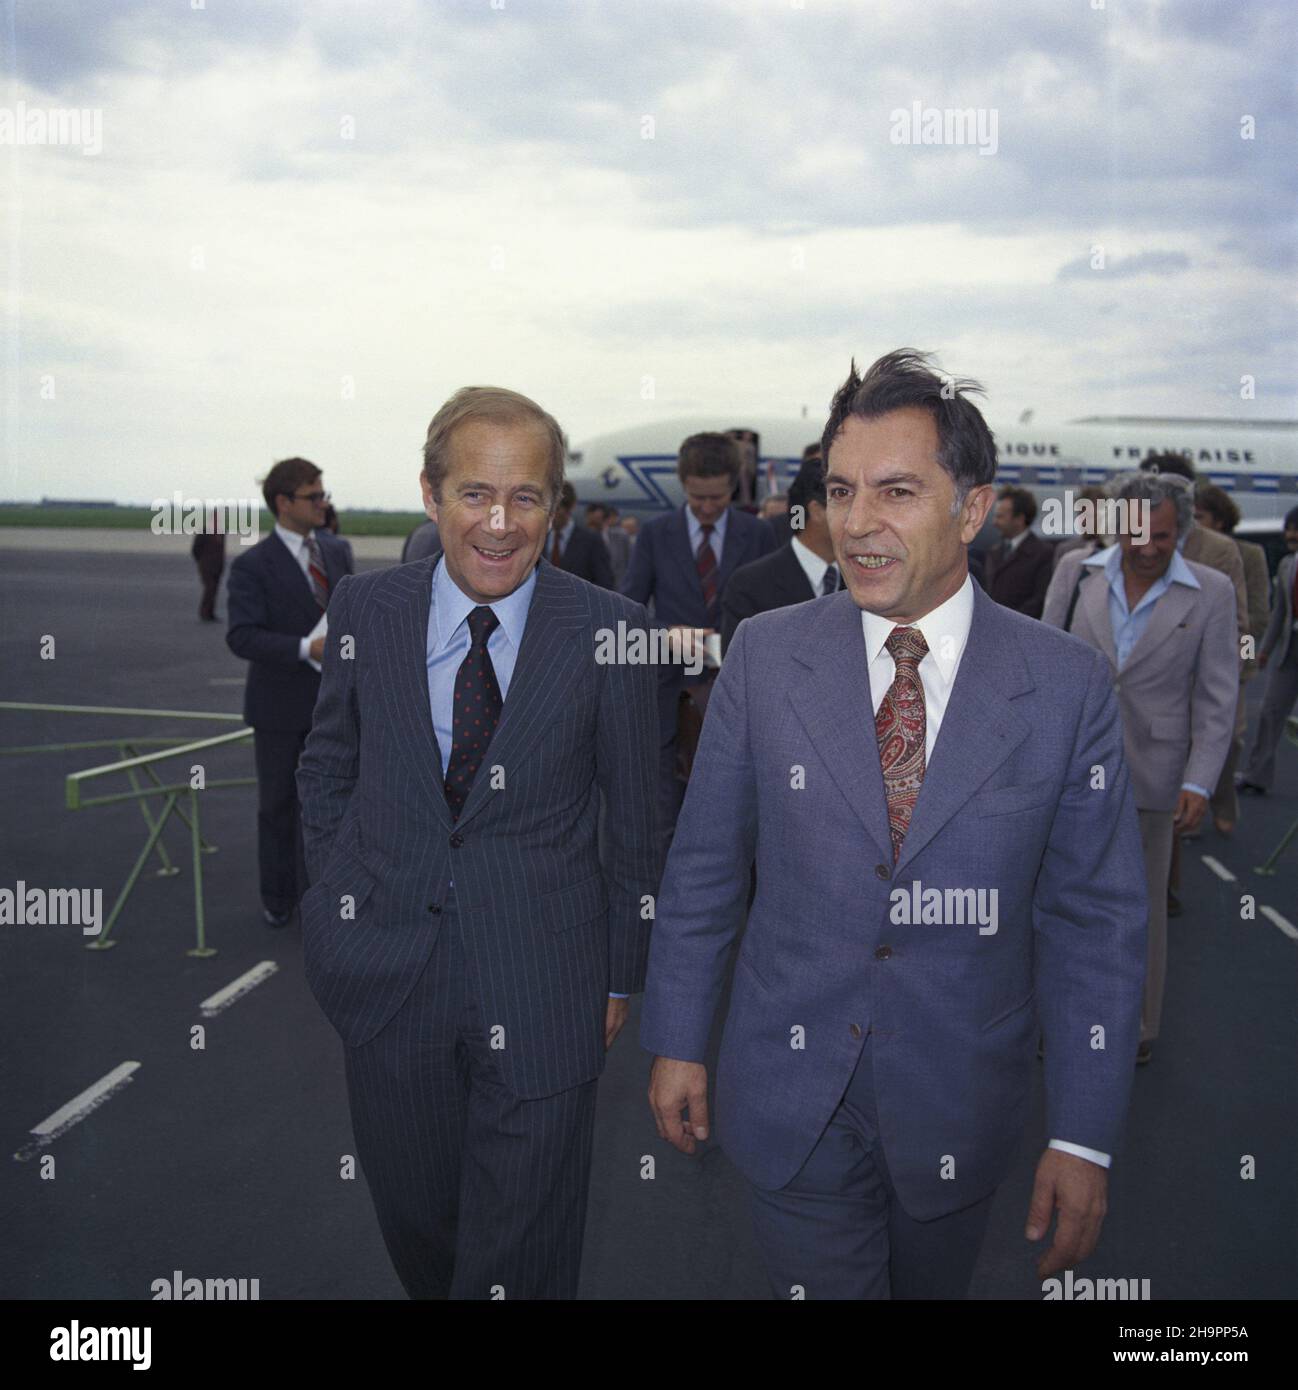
275 597
680 565
461 932
948 858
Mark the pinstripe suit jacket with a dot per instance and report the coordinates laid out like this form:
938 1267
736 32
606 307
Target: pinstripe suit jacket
548 932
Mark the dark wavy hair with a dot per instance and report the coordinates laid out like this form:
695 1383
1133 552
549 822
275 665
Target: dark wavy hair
905 377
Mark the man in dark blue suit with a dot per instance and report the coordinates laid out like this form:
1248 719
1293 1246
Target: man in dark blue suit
578 549
275 597
948 867
461 932
680 565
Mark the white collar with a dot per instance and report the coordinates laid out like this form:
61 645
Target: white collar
945 629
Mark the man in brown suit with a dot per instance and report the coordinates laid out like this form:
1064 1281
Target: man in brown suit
1018 570
1215 510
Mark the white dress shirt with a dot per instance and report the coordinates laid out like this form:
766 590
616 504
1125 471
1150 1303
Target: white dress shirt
297 548
812 565
946 631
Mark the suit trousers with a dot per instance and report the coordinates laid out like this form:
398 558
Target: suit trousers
837 1230
1225 802
1156 842
478 1193
1278 699
281 860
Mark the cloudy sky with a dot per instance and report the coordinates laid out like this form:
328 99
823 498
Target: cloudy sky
308 223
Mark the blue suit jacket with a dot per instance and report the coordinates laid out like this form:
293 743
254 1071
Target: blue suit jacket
663 570
1007 802
270 608
549 931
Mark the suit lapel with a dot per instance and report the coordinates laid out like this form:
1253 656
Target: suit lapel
550 662
291 579
730 557
1093 604
834 709
980 727
678 542
404 632
794 584
1170 610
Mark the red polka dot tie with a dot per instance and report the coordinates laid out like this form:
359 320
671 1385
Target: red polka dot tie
475 712
900 727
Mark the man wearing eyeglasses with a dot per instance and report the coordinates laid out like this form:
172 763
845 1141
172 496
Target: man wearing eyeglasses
277 595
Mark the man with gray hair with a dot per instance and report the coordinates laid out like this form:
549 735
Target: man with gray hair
1167 626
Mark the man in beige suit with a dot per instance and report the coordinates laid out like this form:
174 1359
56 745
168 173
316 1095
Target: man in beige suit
1203 547
1278 654
1167 626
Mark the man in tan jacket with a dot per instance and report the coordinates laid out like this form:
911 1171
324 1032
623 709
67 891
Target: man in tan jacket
1202 547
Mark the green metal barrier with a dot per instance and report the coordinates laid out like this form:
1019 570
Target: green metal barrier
136 765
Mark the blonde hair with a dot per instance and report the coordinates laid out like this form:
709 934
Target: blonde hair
499 406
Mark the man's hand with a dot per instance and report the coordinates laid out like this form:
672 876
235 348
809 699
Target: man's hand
615 1020
674 1086
317 649
1190 807
1078 1190
687 644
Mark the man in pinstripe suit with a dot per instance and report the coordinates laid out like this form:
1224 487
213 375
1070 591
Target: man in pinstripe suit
460 931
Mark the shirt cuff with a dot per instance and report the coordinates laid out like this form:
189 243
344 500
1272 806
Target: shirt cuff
618 996
1202 791
1094 1155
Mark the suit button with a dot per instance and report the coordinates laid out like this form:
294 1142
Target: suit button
456 841
882 871
882 952
855 1030
435 908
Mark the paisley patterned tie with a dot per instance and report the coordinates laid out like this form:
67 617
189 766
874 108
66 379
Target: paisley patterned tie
900 725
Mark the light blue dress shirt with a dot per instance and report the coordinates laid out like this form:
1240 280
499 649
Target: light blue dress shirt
696 532
1129 625
448 642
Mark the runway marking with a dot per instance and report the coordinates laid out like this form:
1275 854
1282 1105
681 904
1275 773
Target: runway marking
1218 868
236 989
78 1108
1283 923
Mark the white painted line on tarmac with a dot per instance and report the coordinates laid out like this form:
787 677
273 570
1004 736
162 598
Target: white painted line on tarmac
236 989
80 1106
1218 868
1283 923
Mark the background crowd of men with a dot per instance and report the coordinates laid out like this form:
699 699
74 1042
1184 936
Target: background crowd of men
1178 611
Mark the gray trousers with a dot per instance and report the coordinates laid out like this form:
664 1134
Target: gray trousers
1156 842
1277 704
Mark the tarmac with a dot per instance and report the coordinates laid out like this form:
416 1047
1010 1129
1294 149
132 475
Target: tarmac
222 1153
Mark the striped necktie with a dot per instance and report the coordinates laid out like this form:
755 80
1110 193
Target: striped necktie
707 567
829 585
316 572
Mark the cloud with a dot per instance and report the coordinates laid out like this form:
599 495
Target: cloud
1123 267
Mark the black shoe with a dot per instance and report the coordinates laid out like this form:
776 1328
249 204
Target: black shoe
1249 789
1173 904
276 919
1144 1054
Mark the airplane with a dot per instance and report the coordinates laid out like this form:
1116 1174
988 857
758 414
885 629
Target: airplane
1254 460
